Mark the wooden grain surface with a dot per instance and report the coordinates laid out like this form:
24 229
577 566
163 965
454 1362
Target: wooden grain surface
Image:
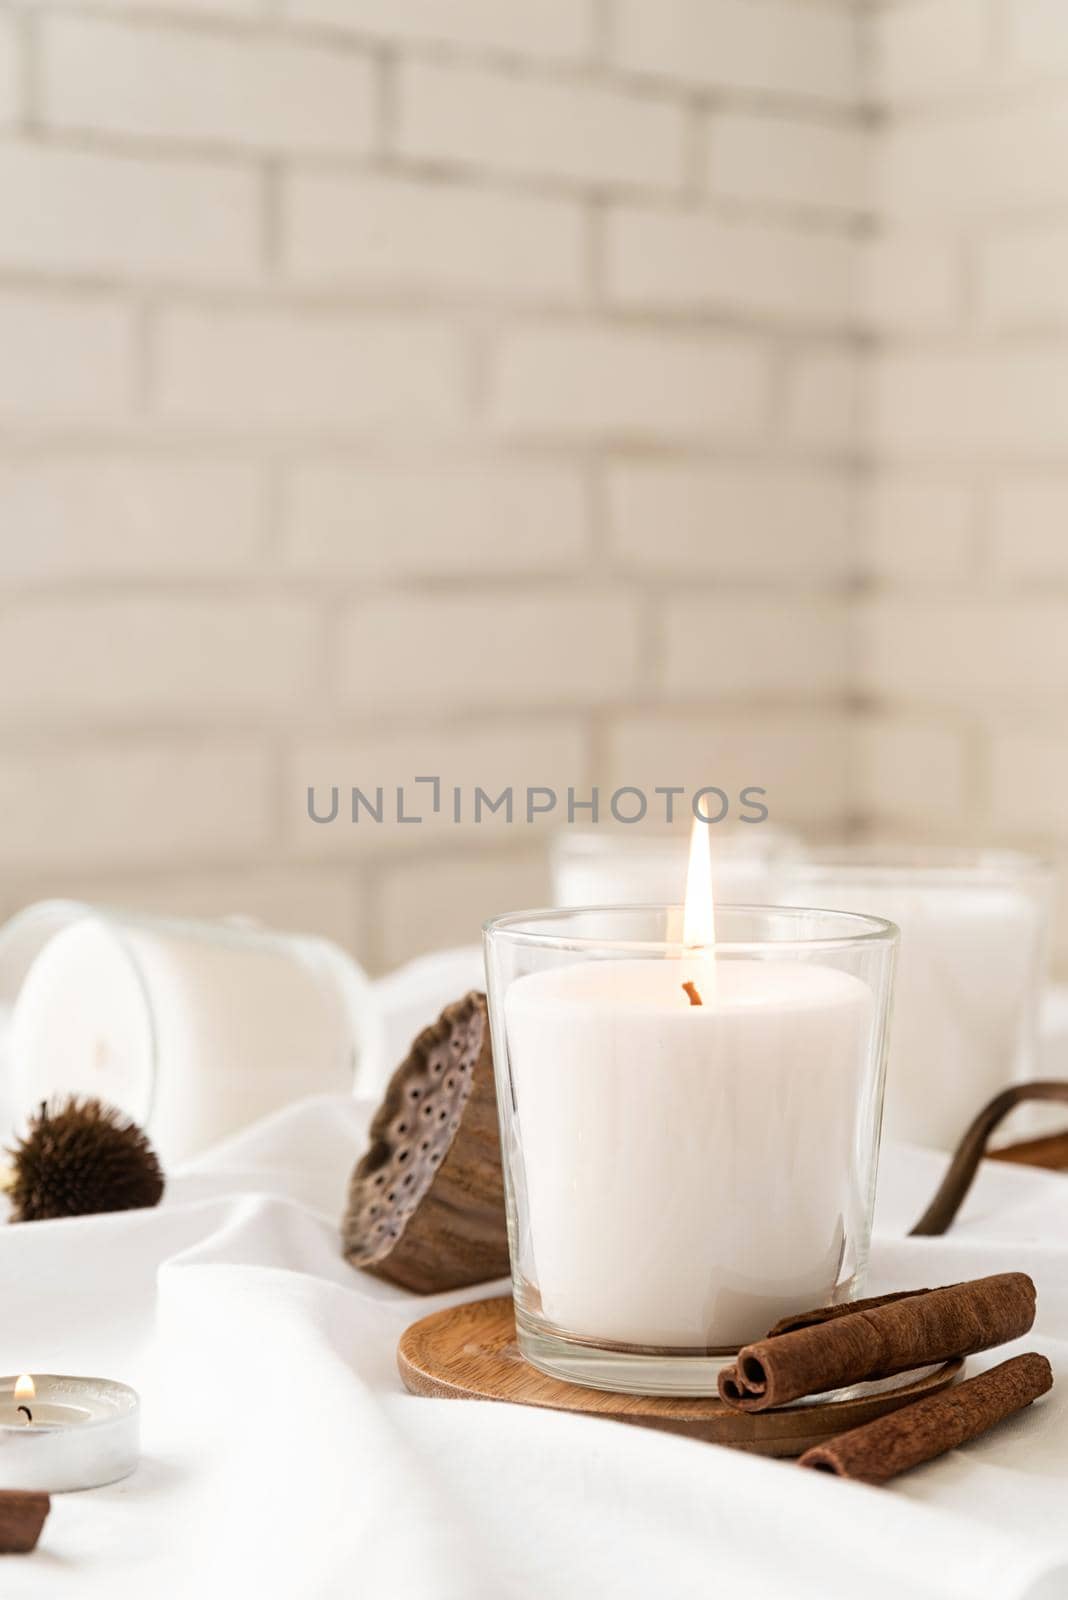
1050 1151
22 1516
469 1352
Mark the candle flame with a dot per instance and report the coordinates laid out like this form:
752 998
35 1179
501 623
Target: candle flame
699 916
25 1389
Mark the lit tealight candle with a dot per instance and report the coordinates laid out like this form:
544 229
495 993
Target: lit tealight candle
60 1433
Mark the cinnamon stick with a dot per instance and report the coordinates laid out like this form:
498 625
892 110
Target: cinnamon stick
881 1449
22 1516
813 1319
896 1336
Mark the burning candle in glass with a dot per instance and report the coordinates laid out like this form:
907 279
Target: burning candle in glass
689 1124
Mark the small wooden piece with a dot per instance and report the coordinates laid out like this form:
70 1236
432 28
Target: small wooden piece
1049 1151
469 1352
22 1516
426 1202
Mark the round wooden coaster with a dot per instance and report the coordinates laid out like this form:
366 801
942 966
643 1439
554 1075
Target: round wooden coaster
469 1352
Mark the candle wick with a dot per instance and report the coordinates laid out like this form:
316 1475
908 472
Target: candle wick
28 1413
693 992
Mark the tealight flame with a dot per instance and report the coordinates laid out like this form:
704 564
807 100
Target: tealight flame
699 916
25 1389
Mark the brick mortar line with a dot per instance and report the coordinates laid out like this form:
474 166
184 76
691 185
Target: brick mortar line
463 177
420 309
277 295
651 85
309 589
176 440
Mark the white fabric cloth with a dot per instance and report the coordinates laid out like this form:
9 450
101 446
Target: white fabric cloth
282 1457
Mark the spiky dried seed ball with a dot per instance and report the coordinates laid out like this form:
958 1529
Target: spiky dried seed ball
78 1157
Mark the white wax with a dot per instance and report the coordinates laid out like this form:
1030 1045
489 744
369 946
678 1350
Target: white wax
240 1026
692 1172
965 993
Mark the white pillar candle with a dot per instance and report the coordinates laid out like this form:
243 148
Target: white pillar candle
692 1172
966 990
193 1030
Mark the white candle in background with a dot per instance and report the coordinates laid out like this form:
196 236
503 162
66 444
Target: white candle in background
966 987
612 867
692 1171
193 1030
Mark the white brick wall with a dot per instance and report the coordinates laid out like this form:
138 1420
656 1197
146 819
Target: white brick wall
982 651
68 516
138 802
1011 156
1037 36
554 30
680 261
911 774
789 161
822 398
66 357
934 403
417 909
365 522
911 283
328 371
576 133
498 750
964 662
802 756
199 88
9 72
447 654
524 391
1028 527
584 382
921 529
929 48
140 656
732 522
71 211
795 648
395 234
403 382
1022 277
778 48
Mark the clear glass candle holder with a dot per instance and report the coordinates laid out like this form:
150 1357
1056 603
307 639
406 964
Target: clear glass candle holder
192 1028
690 1137
974 933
